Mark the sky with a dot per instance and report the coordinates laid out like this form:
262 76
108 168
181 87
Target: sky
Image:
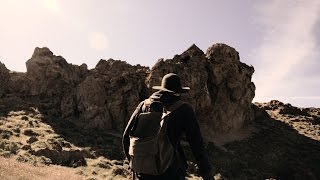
280 38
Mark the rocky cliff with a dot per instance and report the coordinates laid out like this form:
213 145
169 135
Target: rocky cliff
104 97
4 78
221 88
51 75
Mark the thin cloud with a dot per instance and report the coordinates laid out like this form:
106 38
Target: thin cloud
98 41
289 40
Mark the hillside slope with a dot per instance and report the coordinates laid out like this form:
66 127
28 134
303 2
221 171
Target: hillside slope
283 144
12 170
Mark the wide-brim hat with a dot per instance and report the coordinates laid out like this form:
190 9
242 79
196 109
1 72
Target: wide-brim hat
171 82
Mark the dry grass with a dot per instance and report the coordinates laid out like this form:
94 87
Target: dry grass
230 153
15 132
13 170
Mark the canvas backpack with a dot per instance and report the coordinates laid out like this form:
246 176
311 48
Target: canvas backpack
150 149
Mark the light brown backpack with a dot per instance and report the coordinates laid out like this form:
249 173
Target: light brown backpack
150 148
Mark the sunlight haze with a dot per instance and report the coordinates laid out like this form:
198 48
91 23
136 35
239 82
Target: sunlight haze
280 38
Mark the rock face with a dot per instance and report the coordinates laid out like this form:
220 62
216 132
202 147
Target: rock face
50 75
4 78
108 96
231 88
221 88
103 98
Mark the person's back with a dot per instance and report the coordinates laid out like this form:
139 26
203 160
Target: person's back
180 121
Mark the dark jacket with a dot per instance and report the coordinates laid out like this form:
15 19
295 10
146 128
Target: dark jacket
181 121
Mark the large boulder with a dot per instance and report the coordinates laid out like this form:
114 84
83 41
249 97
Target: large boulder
221 88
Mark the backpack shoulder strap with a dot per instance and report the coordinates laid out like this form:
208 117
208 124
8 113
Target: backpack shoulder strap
172 108
146 105
147 102
167 110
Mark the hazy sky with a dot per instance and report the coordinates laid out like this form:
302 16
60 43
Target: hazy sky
280 38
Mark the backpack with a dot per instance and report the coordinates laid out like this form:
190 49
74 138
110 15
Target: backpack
150 149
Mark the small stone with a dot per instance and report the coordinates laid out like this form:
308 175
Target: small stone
29 132
16 130
25 118
26 147
4 134
119 171
32 140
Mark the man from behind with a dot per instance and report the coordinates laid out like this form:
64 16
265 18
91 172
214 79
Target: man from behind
175 118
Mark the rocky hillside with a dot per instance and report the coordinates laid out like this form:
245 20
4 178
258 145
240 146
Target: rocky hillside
62 114
282 142
27 137
104 97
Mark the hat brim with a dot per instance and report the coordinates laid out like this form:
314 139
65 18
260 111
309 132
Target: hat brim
182 90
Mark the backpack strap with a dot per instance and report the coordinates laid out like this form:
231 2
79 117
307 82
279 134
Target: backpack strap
172 108
166 110
147 102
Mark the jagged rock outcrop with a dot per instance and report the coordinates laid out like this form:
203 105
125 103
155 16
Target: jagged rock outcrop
4 78
283 108
17 84
104 97
51 75
108 96
221 88
231 88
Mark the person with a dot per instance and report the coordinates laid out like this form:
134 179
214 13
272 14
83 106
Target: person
180 121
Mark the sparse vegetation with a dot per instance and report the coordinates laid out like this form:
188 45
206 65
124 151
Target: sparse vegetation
282 145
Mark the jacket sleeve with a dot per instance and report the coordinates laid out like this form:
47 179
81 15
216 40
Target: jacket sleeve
126 133
194 137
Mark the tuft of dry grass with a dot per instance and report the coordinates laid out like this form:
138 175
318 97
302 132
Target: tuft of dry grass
12 170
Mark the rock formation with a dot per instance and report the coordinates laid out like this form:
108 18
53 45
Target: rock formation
221 88
104 97
282 108
4 78
51 75
108 96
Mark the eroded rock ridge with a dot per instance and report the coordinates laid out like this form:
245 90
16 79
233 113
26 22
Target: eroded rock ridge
104 97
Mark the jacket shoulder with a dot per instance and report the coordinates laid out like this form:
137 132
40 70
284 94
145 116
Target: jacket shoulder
186 106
